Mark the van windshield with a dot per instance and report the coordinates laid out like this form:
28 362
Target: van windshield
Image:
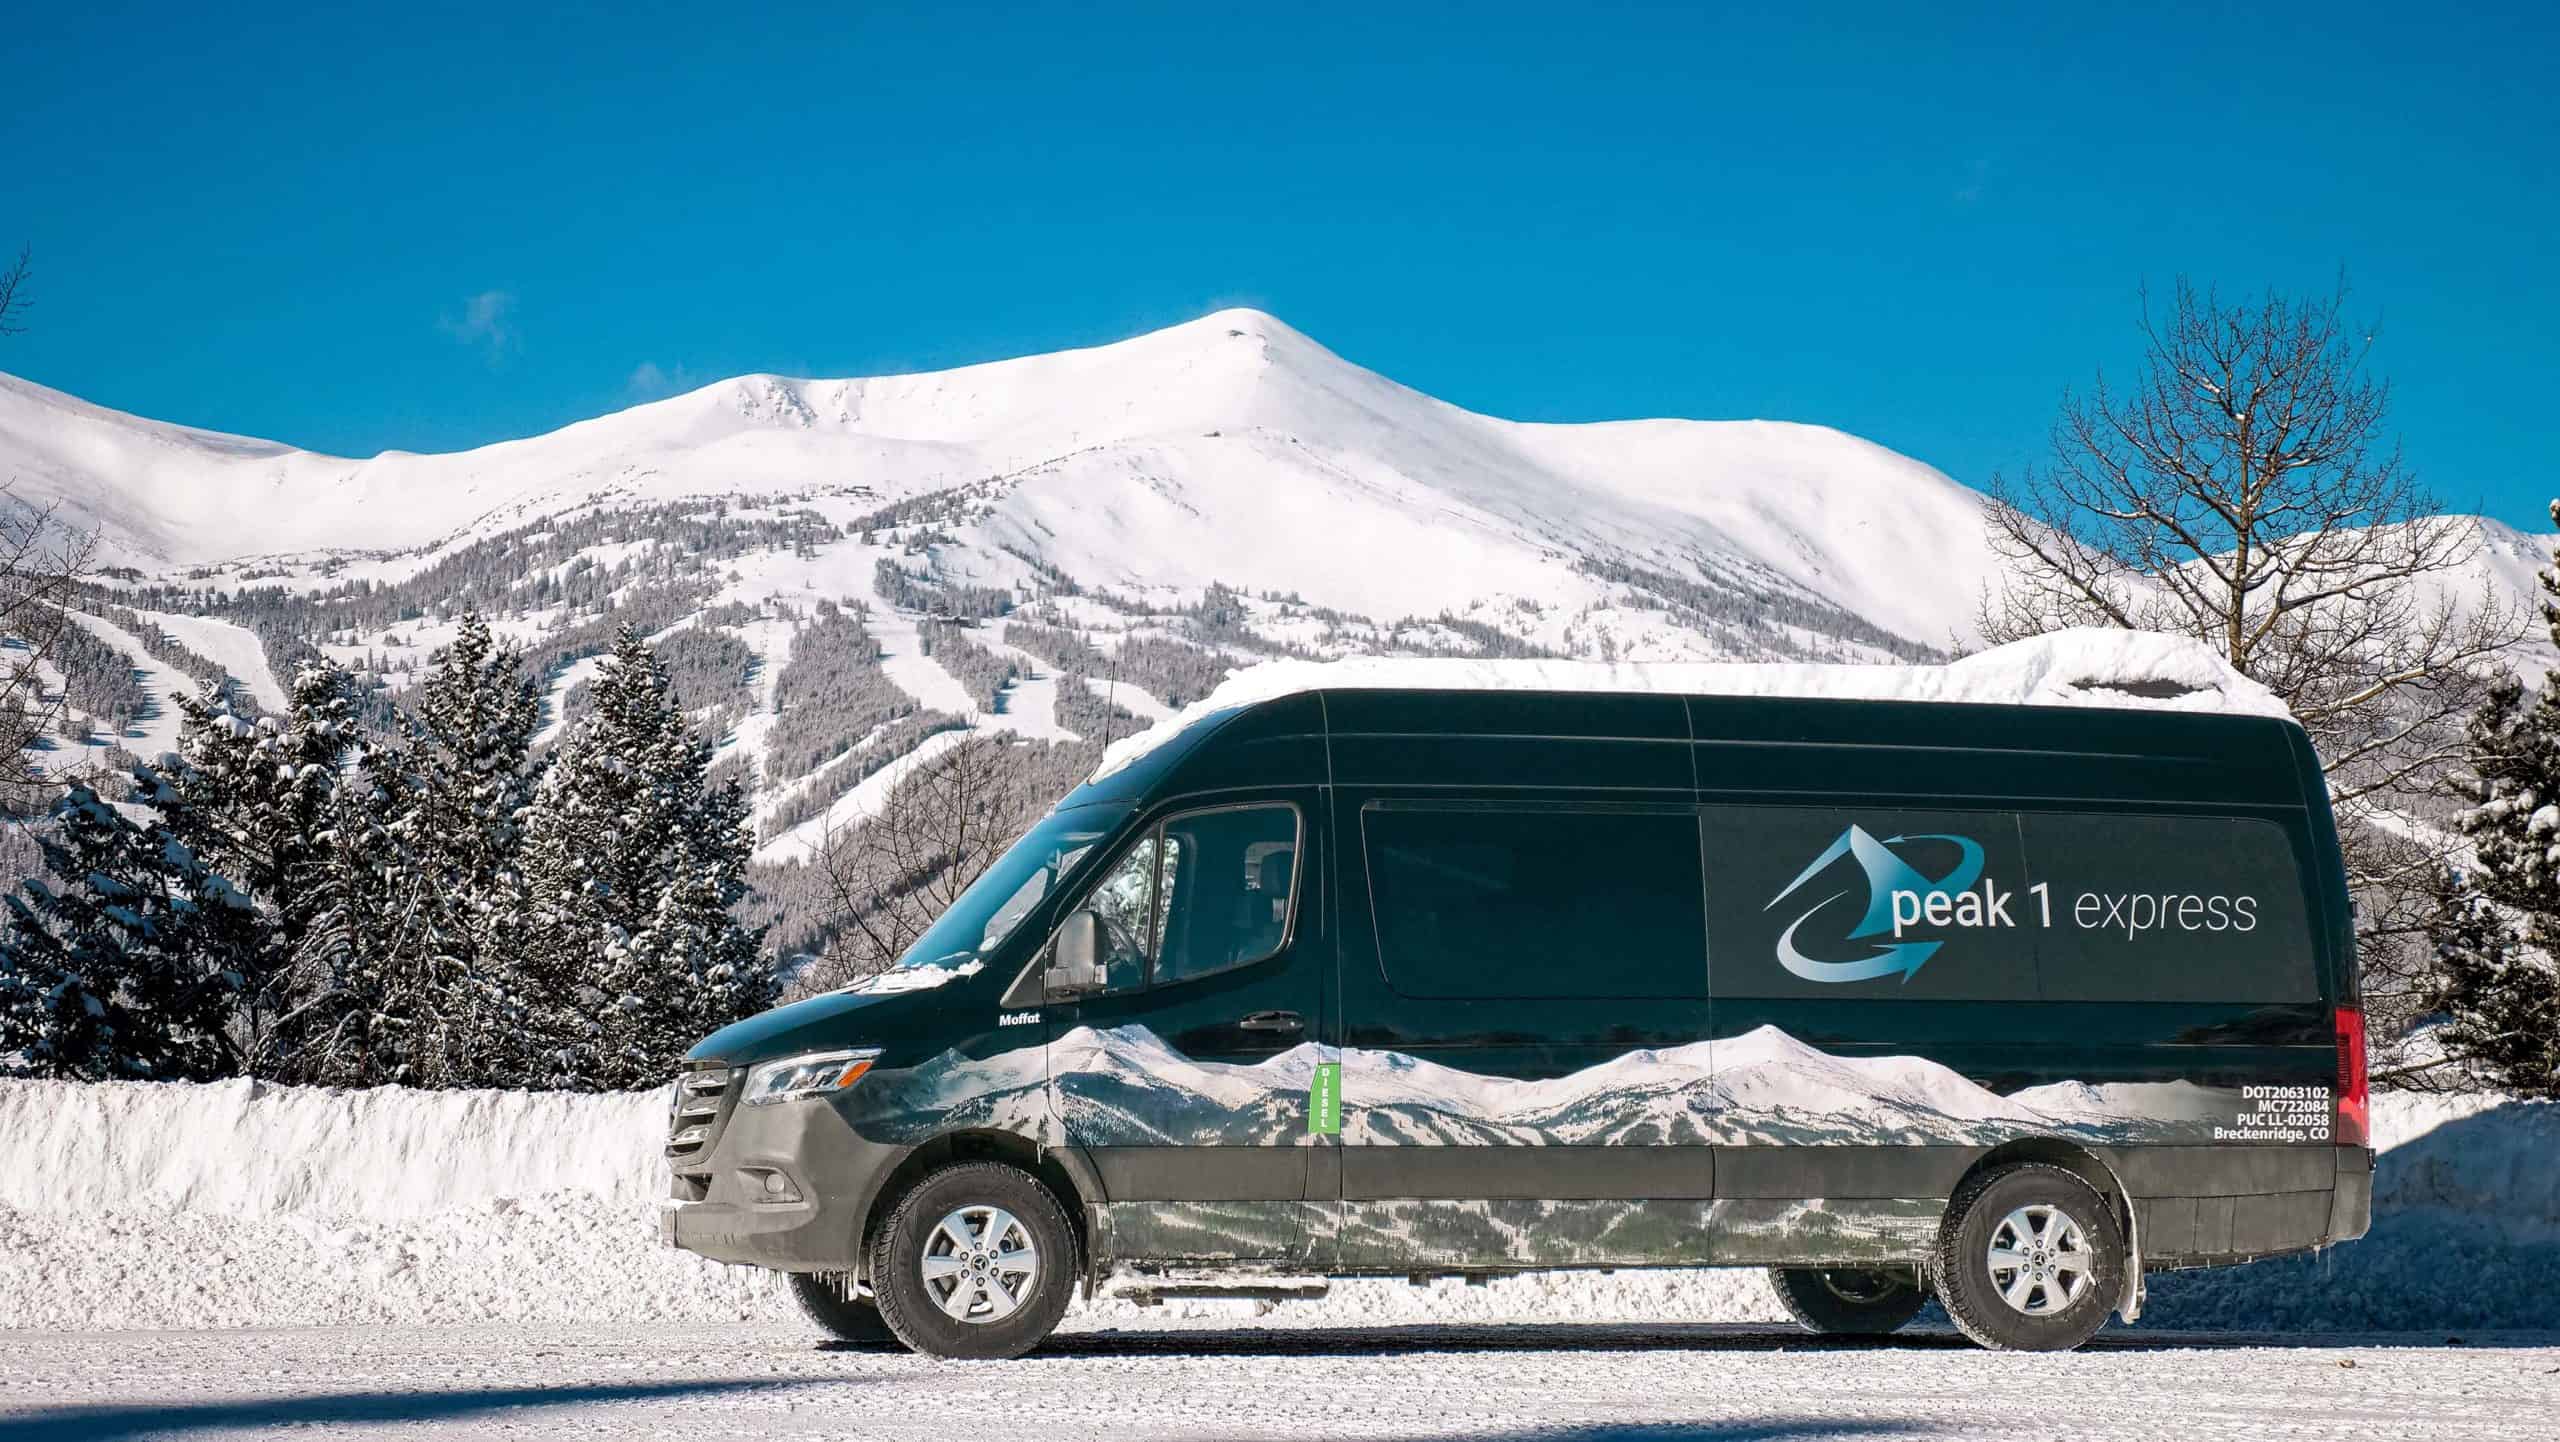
999 899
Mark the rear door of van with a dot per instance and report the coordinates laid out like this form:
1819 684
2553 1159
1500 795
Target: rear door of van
1903 979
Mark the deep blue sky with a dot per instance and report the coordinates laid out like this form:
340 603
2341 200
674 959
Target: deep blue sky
1915 227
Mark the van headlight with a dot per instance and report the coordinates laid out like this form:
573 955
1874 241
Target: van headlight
818 1074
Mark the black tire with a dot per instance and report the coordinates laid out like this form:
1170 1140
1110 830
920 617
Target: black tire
1848 1301
915 1308
2082 1275
828 1299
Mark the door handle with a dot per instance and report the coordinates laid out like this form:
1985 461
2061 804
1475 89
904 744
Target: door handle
1279 1021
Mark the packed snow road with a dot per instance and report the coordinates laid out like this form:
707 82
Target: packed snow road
1653 1383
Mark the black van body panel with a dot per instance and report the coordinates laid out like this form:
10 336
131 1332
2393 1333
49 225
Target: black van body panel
1612 745
1705 1103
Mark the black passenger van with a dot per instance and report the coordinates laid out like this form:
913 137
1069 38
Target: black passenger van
2001 1004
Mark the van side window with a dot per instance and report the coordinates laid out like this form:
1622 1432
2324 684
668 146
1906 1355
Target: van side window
1203 892
1229 886
1485 903
1125 899
2170 908
1860 904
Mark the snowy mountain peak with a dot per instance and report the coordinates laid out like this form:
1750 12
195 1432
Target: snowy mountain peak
1129 522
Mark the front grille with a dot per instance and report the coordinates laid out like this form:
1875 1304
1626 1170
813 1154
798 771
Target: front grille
697 1105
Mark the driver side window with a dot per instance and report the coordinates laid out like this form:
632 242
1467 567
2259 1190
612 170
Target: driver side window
1203 892
1124 900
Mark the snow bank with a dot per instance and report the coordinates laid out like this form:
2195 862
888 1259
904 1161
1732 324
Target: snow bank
2466 1234
2085 667
243 1149
141 1205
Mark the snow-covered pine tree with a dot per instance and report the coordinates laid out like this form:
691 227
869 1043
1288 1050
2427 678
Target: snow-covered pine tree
124 961
632 860
694 968
2498 996
2495 928
372 994
251 800
472 776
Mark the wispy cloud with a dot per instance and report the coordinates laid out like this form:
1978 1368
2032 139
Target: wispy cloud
487 322
650 381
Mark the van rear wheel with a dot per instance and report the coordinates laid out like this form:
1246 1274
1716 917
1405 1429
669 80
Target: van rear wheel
2030 1258
977 1262
830 1300
1848 1301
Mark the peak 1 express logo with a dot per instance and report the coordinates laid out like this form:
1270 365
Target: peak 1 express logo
1898 895
1901 896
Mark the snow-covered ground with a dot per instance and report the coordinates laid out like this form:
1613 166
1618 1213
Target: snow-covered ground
1649 1383
136 1205
157 732
182 1260
234 648
866 800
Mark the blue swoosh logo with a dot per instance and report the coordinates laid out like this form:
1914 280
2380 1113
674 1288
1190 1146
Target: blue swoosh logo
1886 874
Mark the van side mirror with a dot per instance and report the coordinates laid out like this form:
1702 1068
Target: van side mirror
1075 962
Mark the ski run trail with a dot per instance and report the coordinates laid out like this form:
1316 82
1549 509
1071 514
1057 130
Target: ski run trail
1646 1383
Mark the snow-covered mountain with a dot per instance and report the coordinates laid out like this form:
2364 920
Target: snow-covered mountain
1228 449
1113 527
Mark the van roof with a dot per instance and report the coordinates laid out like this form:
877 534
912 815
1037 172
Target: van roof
2087 667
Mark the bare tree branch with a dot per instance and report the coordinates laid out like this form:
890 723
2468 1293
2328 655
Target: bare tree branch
42 566
14 295
883 881
2243 491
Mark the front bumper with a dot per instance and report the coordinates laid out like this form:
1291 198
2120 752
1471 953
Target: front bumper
718 1210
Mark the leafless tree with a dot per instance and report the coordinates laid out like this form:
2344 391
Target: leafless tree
14 297
2243 491
42 563
882 882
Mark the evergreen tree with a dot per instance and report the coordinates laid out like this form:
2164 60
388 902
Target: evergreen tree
2496 928
632 861
129 962
2500 999
470 779
252 800
693 969
373 995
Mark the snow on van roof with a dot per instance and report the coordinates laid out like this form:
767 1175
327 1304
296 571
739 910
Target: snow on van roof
2088 666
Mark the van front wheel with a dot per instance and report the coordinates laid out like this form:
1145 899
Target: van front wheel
1848 1301
978 1261
829 1299
2030 1259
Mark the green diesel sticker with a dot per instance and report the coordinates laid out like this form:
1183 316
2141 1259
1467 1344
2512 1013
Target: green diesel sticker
1324 1100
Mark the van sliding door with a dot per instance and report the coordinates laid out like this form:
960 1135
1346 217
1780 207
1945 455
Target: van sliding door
1523 981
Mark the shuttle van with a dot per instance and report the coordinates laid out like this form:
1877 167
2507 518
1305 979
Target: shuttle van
2006 1005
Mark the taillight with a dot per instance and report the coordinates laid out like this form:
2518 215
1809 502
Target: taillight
2355 1108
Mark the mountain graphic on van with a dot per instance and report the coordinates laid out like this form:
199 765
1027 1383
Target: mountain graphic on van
1887 876
1126 1086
